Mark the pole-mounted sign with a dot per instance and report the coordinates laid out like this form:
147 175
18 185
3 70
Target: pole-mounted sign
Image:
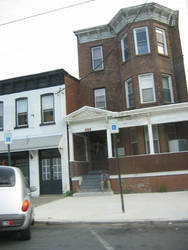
114 126
8 138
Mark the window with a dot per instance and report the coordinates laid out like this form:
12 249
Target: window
21 112
1 115
7 177
167 89
129 93
124 48
46 175
133 141
47 106
141 38
155 139
57 172
147 90
97 58
161 42
100 98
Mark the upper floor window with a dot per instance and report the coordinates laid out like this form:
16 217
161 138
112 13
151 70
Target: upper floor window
147 88
129 93
1 115
167 90
100 98
161 42
21 112
47 108
97 58
124 48
141 38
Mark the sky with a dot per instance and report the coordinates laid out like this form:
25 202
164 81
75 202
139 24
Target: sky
47 42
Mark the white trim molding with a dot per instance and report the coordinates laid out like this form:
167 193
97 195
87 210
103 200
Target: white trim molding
154 174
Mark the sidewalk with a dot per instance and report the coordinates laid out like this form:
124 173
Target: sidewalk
142 207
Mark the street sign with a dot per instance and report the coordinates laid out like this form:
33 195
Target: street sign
114 126
8 138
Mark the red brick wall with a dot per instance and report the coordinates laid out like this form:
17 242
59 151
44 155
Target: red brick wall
78 168
151 184
150 163
116 72
72 94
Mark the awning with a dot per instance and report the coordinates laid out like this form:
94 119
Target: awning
31 143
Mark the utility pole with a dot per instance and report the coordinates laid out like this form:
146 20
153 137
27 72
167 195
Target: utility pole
8 141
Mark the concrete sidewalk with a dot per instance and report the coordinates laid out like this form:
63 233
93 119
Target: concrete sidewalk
171 206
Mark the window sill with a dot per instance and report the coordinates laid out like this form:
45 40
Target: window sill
163 55
97 70
47 123
145 54
25 126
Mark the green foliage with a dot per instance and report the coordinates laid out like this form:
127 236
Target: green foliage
163 188
69 193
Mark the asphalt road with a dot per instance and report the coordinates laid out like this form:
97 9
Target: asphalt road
167 236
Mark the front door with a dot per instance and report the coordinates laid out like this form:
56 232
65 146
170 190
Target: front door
98 150
50 172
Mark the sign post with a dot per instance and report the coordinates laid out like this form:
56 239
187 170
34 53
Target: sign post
115 131
8 141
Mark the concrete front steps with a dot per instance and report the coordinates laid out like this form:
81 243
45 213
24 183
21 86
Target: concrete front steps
91 185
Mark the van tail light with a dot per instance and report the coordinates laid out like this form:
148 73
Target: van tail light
25 206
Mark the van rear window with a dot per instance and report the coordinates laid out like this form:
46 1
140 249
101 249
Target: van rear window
7 177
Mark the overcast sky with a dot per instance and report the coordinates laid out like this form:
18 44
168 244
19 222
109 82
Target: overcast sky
47 42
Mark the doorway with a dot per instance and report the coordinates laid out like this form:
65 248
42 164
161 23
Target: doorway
50 172
98 150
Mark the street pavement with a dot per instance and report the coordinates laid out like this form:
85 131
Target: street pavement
107 208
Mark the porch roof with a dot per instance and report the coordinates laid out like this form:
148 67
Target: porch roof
97 119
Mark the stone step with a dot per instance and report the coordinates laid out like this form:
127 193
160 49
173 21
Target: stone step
87 194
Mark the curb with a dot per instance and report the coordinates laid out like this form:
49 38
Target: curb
46 222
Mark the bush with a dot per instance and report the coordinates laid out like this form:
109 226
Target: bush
69 193
163 188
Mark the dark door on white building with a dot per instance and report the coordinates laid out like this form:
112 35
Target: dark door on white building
50 172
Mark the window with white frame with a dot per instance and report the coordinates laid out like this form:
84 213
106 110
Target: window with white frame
141 38
155 139
167 90
97 58
47 108
22 112
100 98
129 93
124 47
161 42
1 115
147 88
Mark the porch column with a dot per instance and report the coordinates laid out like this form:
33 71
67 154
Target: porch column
71 146
109 143
150 135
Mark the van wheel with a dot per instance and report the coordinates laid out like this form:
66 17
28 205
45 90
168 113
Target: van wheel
25 234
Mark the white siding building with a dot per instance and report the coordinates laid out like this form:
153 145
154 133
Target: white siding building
32 111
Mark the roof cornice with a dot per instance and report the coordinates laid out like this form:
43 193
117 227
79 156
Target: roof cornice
150 11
